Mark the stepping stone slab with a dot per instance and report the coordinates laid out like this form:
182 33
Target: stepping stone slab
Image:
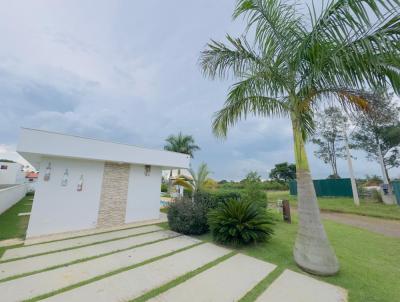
48 281
24 214
75 242
295 287
228 281
136 282
35 263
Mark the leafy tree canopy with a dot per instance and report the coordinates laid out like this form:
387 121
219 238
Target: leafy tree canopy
181 143
328 137
379 126
283 171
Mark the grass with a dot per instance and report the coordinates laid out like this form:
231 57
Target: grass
345 205
370 263
12 225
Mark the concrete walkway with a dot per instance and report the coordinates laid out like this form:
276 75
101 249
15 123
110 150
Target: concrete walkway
136 282
295 287
38 284
72 243
36 263
228 281
390 228
122 271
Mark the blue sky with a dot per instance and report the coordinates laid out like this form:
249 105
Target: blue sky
127 71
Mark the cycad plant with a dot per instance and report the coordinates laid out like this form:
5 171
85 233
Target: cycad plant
240 222
296 60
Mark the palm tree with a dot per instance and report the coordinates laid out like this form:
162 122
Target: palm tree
180 143
197 181
297 61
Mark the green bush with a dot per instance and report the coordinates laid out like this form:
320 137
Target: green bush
240 222
187 217
164 187
211 199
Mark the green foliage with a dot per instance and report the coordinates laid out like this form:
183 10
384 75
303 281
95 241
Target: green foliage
283 171
181 143
240 222
187 217
164 187
253 190
379 127
329 137
196 181
212 199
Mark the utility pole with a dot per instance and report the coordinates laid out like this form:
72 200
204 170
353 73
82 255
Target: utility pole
351 172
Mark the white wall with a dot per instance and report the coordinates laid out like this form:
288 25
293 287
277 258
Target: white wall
12 175
62 209
10 196
143 194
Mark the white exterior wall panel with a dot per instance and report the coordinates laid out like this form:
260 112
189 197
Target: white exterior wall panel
143 194
58 208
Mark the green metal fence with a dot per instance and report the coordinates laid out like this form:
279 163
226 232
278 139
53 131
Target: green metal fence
327 187
396 189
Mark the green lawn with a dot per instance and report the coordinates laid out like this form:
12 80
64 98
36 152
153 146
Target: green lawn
12 225
345 205
370 263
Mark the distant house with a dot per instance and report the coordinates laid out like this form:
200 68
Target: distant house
11 173
31 179
31 176
88 183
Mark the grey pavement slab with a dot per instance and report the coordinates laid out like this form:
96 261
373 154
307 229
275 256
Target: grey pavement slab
294 287
35 263
74 242
228 281
136 282
48 281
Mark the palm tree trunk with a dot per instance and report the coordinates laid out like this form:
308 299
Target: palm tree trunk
312 251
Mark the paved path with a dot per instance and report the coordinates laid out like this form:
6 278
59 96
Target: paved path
136 282
36 263
295 287
236 276
390 228
122 271
38 284
71 243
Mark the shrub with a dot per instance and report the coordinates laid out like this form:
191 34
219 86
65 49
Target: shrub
253 192
240 222
187 217
164 187
211 199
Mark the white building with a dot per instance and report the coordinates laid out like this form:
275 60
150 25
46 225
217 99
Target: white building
87 183
11 173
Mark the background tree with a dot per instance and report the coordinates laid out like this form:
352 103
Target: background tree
295 61
283 171
253 189
180 143
329 136
378 131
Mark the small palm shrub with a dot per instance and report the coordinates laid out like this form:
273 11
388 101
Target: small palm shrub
240 222
187 217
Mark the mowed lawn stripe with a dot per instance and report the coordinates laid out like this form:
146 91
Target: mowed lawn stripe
136 282
37 263
48 247
228 281
53 280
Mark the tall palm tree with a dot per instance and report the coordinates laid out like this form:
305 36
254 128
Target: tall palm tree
296 61
180 143
196 181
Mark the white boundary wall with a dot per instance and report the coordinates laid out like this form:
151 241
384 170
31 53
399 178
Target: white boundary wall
10 196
